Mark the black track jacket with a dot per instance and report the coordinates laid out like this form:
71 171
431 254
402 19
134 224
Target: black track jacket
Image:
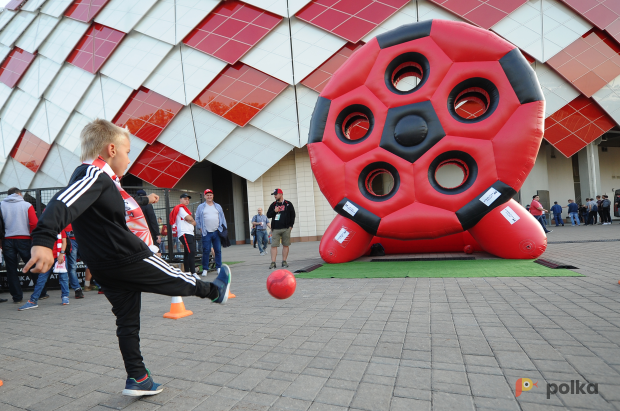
94 206
287 217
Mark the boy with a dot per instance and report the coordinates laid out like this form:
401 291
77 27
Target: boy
63 278
120 261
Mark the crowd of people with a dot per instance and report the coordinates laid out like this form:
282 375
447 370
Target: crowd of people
594 212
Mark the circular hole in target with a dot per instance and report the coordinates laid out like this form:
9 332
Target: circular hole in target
379 181
354 124
452 172
473 100
407 73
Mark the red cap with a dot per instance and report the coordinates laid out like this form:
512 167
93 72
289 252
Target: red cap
208 190
276 191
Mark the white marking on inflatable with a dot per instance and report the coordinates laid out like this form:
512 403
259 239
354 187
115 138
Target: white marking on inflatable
342 235
350 208
490 196
510 215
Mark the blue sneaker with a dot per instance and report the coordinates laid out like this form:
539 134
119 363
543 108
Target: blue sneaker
65 300
28 306
146 386
222 282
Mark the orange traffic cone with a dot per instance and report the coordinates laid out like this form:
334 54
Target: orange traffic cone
231 295
177 309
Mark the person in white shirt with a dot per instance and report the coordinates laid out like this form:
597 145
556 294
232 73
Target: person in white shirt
185 233
211 222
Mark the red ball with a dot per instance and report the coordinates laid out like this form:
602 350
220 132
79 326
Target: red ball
468 249
281 284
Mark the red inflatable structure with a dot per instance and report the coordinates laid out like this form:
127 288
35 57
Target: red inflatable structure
409 102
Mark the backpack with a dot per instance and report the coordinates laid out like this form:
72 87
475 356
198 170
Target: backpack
606 203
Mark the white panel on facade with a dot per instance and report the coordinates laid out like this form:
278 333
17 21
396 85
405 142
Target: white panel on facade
172 20
609 98
5 93
47 121
8 177
4 51
16 27
63 39
430 11
284 8
5 17
211 130
36 33
60 163
179 134
406 15
249 152
18 109
32 5
123 15
23 174
69 86
104 98
557 91
524 28
69 137
9 138
306 100
311 47
561 27
135 58
41 179
137 145
39 76
183 74
55 8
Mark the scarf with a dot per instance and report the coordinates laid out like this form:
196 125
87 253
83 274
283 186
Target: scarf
175 212
134 217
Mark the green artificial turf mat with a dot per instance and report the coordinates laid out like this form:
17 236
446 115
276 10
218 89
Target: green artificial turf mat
437 269
232 262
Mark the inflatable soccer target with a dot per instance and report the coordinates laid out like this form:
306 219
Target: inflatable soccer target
408 103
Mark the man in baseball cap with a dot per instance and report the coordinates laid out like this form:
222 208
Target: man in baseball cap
282 215
211 222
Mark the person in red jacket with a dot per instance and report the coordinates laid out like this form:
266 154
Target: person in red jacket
20 219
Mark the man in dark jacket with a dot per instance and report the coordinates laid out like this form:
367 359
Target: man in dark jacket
151 219
282 215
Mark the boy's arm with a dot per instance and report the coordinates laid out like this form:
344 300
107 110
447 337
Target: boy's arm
67 205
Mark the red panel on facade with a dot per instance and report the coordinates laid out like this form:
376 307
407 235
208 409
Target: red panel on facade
349 19
30 150
85 10
576 125
590 62
146 114
601 13
14 66
484 13
14 4
231 30
95 47
239 93
161 166
319 77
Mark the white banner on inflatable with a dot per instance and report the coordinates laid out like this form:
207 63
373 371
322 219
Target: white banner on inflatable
510 215
342 235
349 208
490 196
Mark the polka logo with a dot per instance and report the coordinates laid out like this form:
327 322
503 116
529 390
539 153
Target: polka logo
524 384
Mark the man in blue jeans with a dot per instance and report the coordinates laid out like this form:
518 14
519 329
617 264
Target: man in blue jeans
573 212
556 209
211 222
72 262
261 222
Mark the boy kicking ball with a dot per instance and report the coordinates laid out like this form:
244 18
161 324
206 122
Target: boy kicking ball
120 261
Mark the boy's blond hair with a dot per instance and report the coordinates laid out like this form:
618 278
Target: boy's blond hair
98 134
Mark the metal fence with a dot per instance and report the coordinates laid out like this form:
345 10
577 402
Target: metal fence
172 249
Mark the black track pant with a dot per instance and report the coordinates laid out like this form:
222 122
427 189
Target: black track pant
123 288
189 252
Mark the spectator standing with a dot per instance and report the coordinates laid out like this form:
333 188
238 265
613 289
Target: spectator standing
282 215
592 211
211 222
149 215
599 200
556 209
573 212
184 222
583 212
19 220
606 210
260 222
63 277
537 211
71 258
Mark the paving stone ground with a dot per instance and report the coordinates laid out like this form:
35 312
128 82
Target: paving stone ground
361 344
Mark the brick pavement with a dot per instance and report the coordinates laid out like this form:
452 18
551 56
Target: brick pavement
363 344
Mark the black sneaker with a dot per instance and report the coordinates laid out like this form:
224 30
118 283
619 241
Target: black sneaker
79 293
3 300
273 264
44 297
145 386
284 264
